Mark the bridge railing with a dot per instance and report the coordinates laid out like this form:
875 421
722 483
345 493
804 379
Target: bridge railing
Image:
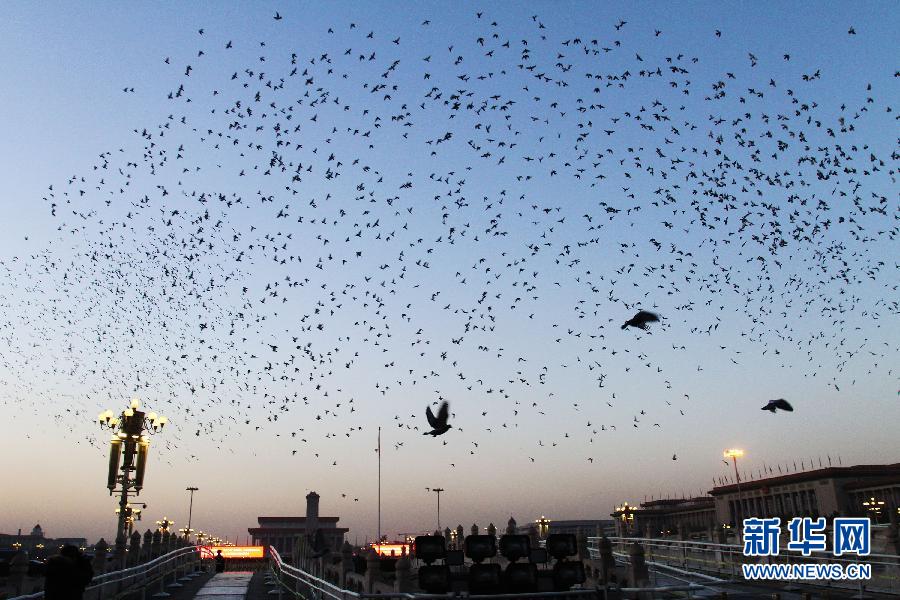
302 584
297 583
154 575
726 560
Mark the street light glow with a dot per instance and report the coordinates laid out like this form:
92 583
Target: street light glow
733 453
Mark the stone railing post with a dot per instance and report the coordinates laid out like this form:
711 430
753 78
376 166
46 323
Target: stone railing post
170 569
720 539
101 550
186 560
147 547
346 562
403 580
682 536
511 526
155 544
474 529
460 535
134 549
607 560
491 530
18 571
638 574
581 543
121 549
373 571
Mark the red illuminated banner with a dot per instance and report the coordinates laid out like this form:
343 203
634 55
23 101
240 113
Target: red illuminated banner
391 549
233 552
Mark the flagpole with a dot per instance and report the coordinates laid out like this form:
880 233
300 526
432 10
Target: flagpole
379 487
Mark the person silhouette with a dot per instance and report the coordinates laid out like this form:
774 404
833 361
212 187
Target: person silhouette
220 562
67 574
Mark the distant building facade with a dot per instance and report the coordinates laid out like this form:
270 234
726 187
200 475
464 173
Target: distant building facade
579 527
861 490
281 532
666 517
36 543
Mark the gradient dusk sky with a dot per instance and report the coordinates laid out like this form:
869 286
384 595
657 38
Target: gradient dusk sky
485 268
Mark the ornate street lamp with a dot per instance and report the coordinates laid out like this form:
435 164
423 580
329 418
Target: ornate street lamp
132 514
164 525
129 447
543 526
626 513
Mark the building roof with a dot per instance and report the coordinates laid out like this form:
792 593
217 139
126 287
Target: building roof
263 520
864 473
890 480
687 503
263 531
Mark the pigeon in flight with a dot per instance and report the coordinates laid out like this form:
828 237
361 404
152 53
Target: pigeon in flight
438 424
641 319
781 403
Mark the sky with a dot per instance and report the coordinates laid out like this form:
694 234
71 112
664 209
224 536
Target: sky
439 272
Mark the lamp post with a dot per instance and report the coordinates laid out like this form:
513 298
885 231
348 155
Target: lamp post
128 452
543 526
734 454
438 491
190 489
626 514
164 525
132 514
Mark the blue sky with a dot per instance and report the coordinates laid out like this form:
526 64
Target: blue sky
65 71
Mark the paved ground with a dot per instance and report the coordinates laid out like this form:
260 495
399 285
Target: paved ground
226 586
187 592
258 589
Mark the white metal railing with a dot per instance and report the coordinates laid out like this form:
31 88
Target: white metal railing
696 557
300 584
303 584
161 570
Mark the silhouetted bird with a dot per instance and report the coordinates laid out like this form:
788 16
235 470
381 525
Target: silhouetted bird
781 403
641 319
438 424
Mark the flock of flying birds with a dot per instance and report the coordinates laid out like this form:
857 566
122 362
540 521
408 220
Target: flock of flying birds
310 236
